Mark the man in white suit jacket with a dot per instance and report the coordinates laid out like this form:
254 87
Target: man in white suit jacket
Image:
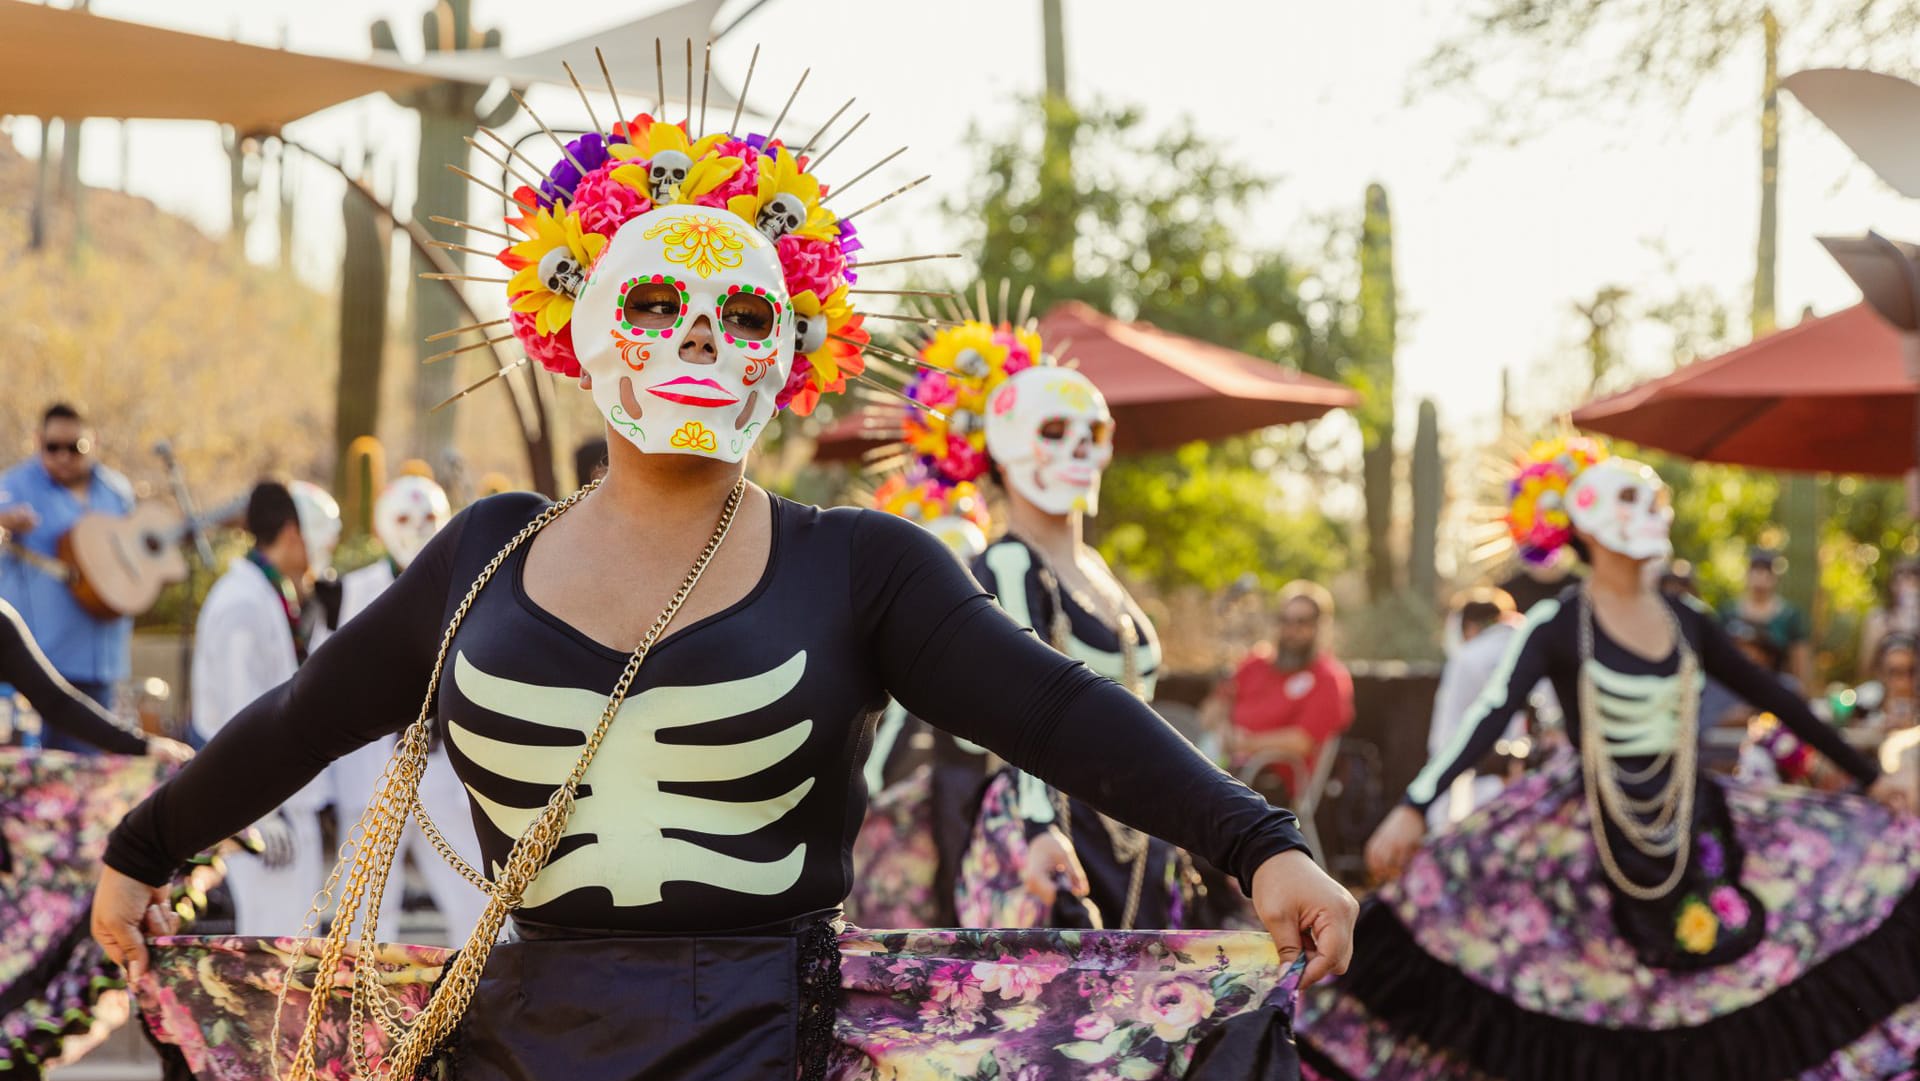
407 514
245 644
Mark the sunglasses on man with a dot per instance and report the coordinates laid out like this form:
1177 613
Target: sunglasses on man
79 447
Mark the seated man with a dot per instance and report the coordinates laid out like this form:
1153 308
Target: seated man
1290 696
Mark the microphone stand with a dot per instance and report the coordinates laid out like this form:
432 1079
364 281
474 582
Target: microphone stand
190 612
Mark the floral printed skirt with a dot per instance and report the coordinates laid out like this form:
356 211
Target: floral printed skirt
895 859
1499 952
991 893
56 809
913 1006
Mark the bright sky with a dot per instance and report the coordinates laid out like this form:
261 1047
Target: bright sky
1493 244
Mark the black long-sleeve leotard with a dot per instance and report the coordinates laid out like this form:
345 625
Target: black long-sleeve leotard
1548 647
58 702
728 792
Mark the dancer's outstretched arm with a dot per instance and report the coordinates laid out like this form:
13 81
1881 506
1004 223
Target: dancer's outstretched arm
1761 689
58 702
950 655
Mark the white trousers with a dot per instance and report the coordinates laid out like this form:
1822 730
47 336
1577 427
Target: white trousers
272 901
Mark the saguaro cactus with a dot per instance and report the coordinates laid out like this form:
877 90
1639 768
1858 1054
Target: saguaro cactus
363 329
449 113
1379 327
1429 471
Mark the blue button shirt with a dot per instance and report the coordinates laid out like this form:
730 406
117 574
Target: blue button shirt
82 648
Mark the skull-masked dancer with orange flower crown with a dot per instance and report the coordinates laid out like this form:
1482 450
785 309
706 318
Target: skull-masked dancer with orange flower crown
1621 913
657 694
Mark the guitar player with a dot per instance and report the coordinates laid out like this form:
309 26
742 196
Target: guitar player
40 499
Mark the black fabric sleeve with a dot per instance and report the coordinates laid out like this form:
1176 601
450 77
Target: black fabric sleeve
952 657
1520 671
1763 690
58 702
364 682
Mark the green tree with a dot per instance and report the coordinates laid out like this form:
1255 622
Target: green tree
1146 225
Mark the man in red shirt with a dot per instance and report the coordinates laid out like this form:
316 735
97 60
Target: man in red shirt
1289 697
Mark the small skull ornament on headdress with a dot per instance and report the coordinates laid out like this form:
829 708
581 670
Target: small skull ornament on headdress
782 215
665 173
561 273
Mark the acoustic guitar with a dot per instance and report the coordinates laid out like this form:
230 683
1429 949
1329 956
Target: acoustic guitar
117 567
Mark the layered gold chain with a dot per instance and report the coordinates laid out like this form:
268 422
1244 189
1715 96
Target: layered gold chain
1661 825
366 857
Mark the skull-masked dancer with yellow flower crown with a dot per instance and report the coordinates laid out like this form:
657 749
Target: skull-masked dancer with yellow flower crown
657 693
1006 849
1621 913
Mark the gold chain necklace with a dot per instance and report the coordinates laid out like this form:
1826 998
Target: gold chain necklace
1130 846
1669 830
366 857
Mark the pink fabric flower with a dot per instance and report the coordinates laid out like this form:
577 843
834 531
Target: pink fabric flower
962 461
955 984
1730 907
1012 981
1093 1027
934 389
1528 923
798 381
744 182
811 264
604 204
554 352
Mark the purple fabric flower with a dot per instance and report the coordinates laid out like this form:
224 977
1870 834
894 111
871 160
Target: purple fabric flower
1713 857
589 150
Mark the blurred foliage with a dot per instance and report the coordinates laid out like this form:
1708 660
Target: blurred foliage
1512 56
1146 225
1212 493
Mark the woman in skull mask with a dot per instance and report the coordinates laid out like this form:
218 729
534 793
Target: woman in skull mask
1622 913
668 822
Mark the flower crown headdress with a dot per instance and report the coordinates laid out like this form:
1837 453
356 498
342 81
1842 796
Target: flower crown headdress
1537 517
563 218
938 420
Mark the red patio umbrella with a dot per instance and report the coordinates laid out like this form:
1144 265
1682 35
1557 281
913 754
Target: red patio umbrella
1829 395
1165 389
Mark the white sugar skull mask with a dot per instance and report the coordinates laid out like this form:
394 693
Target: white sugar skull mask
1051 434
659 276
407 515
319 522
1625 507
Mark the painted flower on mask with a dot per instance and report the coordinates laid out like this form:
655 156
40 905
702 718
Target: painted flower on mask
548 233
703 245
694 435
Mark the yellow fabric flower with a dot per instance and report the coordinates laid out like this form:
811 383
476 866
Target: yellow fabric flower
1698 928
780 174
709 170
529 294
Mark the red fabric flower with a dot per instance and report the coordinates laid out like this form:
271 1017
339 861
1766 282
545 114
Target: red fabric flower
554 352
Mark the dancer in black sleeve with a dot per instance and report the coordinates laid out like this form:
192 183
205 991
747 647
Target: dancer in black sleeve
659 691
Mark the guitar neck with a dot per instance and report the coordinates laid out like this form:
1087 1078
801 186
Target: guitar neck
44 564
